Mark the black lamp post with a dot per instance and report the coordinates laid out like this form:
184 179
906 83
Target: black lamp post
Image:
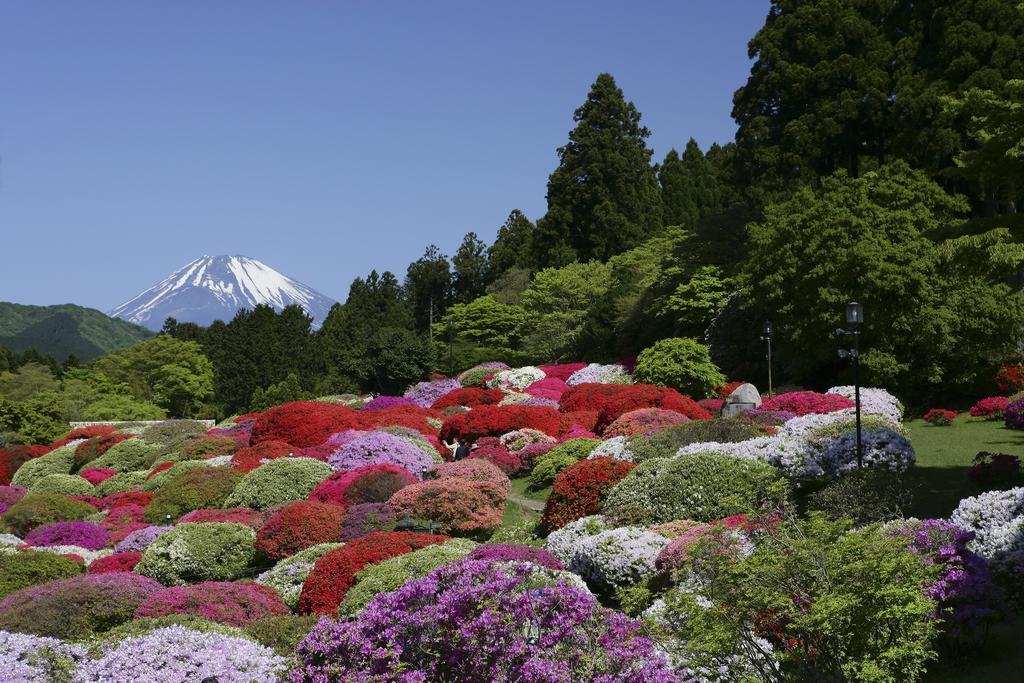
854 318
766 336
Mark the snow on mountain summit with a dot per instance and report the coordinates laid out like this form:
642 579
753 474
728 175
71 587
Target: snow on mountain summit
215 288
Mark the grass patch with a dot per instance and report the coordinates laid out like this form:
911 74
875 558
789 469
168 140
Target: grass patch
521 488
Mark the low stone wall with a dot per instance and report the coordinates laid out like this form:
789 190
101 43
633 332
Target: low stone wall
138 423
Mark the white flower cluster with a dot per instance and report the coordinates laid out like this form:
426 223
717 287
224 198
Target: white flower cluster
89 556
615 447
997 520
10 539
517 378
595 373
562 543
617 558
762 448
873 401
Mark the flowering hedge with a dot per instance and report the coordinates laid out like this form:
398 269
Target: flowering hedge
29 567
279 481
684 535
1010 378
368 484
516 379
94 447
461 506
425 394
118 562
248 459
495 421
58 461
440 628
562 542
992 407
83 534
386 402
303 423
805 402
334 573
510 463
514 552
547 466
298 526
1013 418
474 470
234 604
580 489
64 484
997 520
31 659
139 539
81 433
35 510
873 401
193 552
612 400
194 489
14 457
596 373
642 421
940 417
379 448
247 516
469 396
128 455
617 558
95 475
287 576
367 518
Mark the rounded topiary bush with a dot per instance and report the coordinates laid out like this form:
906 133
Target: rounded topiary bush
279 481
664 443
58 461
82 534
547 466
281 633
76 607
164 472
702 487
30 567
515 552
234 604
129 455
681 363
642 421
120 483
298 526
580 489
367 518
288 575
44 508
202 487
64 484
461 506
118 562
360 449
474 470
370 484
193 552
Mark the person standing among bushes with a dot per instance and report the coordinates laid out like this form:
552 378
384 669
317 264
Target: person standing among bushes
459 448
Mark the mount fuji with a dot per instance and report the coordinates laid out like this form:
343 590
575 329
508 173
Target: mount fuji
215 288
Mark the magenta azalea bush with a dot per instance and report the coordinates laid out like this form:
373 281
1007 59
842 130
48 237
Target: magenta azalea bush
385 402
234 604
379 448
472 620
514 552
83 534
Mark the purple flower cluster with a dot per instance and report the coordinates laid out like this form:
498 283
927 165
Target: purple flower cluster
1013 418
514 552
967 599
425 393
9 495
379 448
385 402
367 518
138 540
82 534
473 620
35 659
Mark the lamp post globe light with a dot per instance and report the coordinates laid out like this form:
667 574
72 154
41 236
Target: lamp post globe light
766 336
854 318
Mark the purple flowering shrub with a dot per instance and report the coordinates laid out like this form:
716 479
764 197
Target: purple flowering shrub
425 393
385 402
514 552
379 448
472 620
9 495
139 540
367 518
31 659
83 534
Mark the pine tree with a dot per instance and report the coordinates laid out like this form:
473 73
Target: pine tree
471 270
428 286
603 198
511 247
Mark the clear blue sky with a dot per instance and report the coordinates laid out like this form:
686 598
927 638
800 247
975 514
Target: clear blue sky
324 138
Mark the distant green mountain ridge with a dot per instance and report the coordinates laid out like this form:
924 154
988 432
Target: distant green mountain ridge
65 329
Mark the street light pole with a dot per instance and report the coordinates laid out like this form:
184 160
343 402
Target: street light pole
767 337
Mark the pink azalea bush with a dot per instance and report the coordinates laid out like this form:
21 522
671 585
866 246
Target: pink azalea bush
82 534
234 604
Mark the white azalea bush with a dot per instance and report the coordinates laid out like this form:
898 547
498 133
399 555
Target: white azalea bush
287 576
562 543
997 520
595 373
617 558
517 378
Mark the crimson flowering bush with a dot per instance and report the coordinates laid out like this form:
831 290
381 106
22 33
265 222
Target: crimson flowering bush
507 461
992 407
712 405
994 468
497 420
369 484
461 506
162 467
613 400
248 459
116 500
385 402
940 417
562 371
298 526
805 403
118 562
366 518
95 475
469 396
235 604
14 457
410 417
122 516
727 388
254 519
445 626
87 432
334 573
475 470
303 423
642 421
82 534
549 387
1010 378
515 552
579 490
587 419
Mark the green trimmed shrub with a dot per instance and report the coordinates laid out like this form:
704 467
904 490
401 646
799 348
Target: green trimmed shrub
681 363
547 466
58 461
64 484
703 487
288 575
665 442
278 481
26 568
392 573
281 632
475 377
44 508
133 454
155 482
120 483
202 487
195 552
173 432
208 447
863 496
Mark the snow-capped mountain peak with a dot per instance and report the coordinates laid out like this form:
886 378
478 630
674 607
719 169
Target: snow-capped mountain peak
215 288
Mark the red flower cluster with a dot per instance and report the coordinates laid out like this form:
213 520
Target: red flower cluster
95 475
118 562
160 468
251 518
562 371
549 387
993 407
1011 378
584 418
122 517
116 500
84 433
643 420
805 403
303 423
334 573
940 417
370 484
235 604
506 461
580 489
469 396
613 400
248 459
498 420
712 405
14 457
298 526
92 448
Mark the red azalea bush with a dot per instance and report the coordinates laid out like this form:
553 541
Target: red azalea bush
940 417
549 387
123 516
474 469
469 396
584 418
497 420
14 457
994 468
95 475
726 389
992 407
253 519
84 433
562 371
712 405
92 448
459 505
370 484
118 562
577 432
1011 378
234 604
248 459
613 400
580 490
303 423
643 420
298 526
334 573
508 462
116 500
805 403
411 417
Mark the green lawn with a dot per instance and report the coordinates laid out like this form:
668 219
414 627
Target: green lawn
516 512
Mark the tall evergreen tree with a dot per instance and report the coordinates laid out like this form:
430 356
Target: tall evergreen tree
511 248
428 286
603 198
689 186
471 270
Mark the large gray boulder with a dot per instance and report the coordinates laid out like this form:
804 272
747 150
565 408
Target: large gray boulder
745 397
